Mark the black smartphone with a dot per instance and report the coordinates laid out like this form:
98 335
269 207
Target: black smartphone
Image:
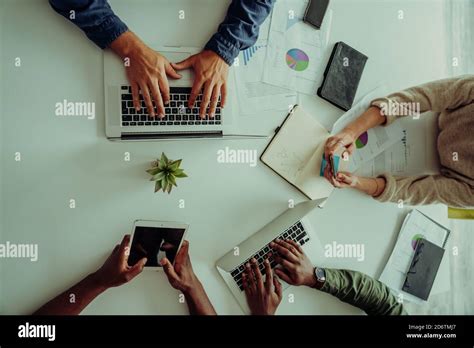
315 12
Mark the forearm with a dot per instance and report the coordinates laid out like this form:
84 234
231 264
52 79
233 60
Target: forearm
198 302
240 28
94 17
127 44
371 186
371 118
427 189
74 300
362 291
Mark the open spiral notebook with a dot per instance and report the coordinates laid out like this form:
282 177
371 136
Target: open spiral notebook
296 152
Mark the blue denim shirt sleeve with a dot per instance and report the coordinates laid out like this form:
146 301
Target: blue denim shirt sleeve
95 17
239 30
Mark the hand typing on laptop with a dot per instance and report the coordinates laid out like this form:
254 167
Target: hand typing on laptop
210 72
295 268
148 70
263 297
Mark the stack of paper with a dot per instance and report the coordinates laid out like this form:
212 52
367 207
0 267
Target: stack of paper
286 59
253 94
295 49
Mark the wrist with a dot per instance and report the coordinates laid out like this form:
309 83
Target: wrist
380 182
373 187
319 276
194 289
378 114
351 133
95 282
127 44
366 185
312 281
215 54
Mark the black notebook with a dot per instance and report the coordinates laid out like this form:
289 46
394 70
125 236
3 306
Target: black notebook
342 76
423 269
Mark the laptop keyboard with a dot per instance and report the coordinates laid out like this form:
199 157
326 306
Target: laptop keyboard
295 233
177 112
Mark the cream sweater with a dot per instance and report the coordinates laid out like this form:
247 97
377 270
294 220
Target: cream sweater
453 99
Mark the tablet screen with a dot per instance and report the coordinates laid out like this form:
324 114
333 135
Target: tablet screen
154 243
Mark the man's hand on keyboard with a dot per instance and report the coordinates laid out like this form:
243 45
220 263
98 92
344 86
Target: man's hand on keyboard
147 72
296 269
263 298
210 72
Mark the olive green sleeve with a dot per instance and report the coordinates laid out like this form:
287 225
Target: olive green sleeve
362 291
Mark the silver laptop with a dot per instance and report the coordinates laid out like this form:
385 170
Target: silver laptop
292 224
123 122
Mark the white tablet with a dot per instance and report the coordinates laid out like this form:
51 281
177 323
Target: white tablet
155 240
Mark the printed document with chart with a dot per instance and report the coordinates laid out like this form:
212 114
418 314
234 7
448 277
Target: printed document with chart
294 52
379 148
254 95
406 147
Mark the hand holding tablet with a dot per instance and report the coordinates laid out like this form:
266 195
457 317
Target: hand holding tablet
156 240
116 271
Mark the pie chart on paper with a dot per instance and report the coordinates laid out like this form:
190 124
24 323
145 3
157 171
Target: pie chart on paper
415 240
362 140
297 59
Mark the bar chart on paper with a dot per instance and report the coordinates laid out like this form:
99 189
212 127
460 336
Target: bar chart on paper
293 18
253 95
250 52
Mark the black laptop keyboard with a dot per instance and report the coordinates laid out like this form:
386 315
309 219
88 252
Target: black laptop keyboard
177 112
295 232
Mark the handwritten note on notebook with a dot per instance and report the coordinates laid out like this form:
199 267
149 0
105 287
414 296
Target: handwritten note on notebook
295 153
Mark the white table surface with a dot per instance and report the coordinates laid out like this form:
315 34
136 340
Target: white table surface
70 158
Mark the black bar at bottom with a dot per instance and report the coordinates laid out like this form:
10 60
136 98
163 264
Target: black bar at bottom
140 330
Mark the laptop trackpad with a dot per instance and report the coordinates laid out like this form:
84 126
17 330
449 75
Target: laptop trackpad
175 57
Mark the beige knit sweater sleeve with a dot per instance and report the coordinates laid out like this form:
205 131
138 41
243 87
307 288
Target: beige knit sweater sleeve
438 96
427 189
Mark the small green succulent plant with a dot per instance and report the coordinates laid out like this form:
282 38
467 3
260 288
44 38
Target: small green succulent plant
165 172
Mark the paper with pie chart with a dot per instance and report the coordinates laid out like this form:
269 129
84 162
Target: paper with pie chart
372 142
294 52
